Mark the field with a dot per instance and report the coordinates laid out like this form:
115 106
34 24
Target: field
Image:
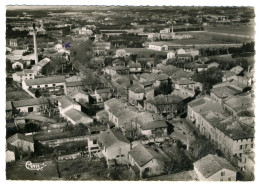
82 169
18 171
237 29
143 52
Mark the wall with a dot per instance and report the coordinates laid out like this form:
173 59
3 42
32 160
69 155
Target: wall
24 145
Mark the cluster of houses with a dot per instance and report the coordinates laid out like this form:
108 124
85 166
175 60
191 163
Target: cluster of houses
137 102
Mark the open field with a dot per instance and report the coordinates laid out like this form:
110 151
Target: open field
82 169
237 29
18 171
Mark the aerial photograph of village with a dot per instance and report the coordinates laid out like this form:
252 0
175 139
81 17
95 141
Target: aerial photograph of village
107 93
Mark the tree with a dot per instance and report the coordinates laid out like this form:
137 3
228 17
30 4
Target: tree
81 54
37 93
8 65
18 68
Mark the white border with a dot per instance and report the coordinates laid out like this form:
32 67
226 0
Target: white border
3 3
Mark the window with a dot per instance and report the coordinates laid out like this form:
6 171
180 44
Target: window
46 85
222 173
53 85
241 147
252 145
252 139
246 146
94 142
38 86
229 179
30 87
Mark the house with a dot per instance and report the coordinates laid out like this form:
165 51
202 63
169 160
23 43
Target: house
75 116
122 117
121 70
58 46
135 67
166 105
71 111
8 109
185 83
247 163
30 105
74 83
219 93
102 116
102 95
213 64
93 145
230 136
53 85
150 125
171 55
184 57
161 79
147 161
13 43
121 53
15 64
66 103
79 96
101 48
158 46
135 94
97 129
240 105
214 168
9 153
38 67
23 75
21 142
189 52
237 70
114 145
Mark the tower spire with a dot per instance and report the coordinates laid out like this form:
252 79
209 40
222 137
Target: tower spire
35 44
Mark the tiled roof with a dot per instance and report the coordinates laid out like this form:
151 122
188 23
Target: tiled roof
141 155
25 71
43 62
211 164
154 125
8 105
144 154
185 81
67 101
136 89
46 80
30 102
231 128
101 91
112 137
17 136
76 115
165 99
225 91
240 102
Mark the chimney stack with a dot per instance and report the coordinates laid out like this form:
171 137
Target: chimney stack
35 44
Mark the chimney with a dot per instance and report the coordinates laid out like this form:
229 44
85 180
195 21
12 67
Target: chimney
35 44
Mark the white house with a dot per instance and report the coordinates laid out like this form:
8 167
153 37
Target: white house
171 54
58 47
38 67
114 146
23 75
147 160
158 46
66 103
17 63
53 84
214 168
